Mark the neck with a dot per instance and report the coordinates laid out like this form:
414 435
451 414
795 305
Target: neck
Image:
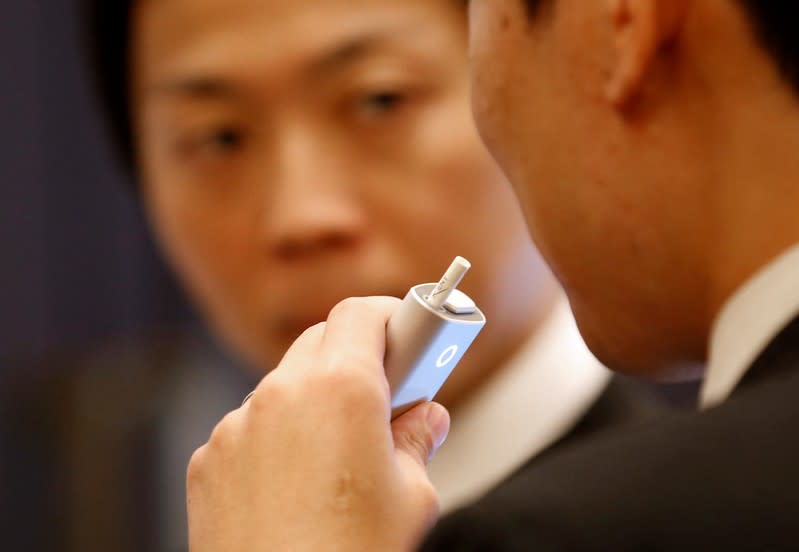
746 117
756 201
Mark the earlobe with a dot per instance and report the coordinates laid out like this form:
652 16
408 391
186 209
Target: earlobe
640 28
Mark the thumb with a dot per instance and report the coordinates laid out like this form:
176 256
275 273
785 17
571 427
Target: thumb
421 431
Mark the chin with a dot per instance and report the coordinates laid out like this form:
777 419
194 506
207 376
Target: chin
635 348
257 358
640 358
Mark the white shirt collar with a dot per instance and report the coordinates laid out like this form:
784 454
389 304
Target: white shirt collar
522 409
747 322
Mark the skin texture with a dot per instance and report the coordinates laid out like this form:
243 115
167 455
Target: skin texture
624 137
650 189
294 154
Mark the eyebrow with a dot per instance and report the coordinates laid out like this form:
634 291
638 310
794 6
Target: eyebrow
349 52
342 55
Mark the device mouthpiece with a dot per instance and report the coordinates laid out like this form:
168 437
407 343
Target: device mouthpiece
452 277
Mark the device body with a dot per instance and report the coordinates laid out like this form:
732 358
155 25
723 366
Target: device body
423 346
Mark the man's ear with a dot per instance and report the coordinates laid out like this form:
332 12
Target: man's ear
641 28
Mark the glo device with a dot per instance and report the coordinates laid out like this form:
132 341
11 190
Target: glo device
427 336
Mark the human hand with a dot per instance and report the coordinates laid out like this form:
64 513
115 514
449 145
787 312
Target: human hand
312 461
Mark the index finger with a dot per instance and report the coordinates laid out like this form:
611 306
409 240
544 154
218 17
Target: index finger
355 333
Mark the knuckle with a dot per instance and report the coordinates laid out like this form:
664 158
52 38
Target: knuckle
417 443
429 497
351 363
272 393
312 332
346 307
260 400
351 384
195 472
223 436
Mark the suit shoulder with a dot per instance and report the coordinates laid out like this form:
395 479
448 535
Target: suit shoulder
722 478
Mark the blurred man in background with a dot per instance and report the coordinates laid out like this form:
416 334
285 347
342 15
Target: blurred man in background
292 154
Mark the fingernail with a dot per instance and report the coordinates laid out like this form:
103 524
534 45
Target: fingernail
438 423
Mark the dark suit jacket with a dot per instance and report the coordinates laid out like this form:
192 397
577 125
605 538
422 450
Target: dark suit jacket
724 479
83 446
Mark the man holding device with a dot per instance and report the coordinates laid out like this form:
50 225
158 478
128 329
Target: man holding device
653 144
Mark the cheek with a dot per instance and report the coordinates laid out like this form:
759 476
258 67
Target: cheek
487 101
440 196
455 178
203 241
469 208
492 54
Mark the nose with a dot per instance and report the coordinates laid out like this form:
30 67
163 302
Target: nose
313 210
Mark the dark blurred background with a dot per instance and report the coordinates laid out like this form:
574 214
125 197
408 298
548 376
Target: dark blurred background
79 413
77 263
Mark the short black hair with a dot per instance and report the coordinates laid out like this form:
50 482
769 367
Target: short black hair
774 23
108 45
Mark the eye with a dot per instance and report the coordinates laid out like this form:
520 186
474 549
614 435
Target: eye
223 139
211 141
381 102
